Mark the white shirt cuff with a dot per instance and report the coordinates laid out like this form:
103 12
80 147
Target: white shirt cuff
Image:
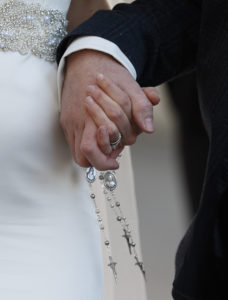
94 43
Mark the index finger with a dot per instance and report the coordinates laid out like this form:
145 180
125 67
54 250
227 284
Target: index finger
91 150
115 93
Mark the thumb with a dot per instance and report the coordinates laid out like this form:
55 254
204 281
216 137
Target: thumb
142 111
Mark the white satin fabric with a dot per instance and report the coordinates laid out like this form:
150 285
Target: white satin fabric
50 244
49 237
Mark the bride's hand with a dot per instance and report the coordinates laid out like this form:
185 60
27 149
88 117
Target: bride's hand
110 108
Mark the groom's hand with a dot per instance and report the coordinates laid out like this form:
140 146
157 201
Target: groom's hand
81 71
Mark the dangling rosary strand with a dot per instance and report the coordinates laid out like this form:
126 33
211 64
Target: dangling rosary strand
109 184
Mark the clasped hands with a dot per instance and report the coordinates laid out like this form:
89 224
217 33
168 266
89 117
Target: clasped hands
100 99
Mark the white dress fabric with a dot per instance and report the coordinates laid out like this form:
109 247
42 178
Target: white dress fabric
50 244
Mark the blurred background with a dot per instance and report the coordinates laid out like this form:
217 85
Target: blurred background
168 168
162 198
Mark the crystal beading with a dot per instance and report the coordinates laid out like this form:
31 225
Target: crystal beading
108 181
29 28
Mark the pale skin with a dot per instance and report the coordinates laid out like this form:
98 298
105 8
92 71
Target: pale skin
87 123
105 106
80 129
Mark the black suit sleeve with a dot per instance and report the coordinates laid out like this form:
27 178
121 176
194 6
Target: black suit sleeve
160 37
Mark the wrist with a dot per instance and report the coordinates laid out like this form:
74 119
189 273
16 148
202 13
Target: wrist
90 63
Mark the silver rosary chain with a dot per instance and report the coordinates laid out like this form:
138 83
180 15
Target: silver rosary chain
108 183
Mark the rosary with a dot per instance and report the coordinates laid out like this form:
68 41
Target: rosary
108 183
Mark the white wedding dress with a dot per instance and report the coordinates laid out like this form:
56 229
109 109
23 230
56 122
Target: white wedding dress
50 244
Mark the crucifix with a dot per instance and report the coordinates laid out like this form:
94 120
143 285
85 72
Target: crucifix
127 236
141 266
112 265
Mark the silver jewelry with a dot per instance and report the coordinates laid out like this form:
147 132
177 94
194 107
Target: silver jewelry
30 28
109 184
114 145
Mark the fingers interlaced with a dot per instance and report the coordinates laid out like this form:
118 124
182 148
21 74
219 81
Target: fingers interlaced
103 109
142 107
115 93
116 112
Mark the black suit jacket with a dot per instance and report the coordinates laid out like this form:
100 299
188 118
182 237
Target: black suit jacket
164 39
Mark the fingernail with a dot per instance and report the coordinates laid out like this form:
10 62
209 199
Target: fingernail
149 124
100 76
91 88
90 99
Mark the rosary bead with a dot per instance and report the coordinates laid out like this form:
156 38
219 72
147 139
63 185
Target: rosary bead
101 177
109 183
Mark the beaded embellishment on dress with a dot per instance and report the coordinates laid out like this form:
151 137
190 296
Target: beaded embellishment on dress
28 28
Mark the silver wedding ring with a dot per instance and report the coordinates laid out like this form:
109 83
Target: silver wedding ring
114 145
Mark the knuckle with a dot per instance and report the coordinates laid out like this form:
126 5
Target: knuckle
106 83
116 115
113 132
86 148
98 94
125 101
